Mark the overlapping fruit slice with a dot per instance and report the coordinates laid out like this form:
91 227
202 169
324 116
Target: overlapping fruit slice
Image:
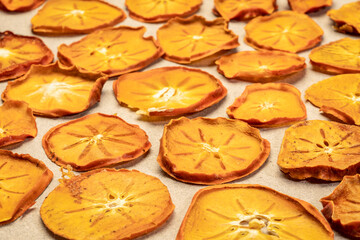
259 66
112 51
107 204
187 40
161 11
240 211
211 151
346 18
169 91
75 16
22 180
342 56
320 149
285 31
268 105
54 90
18 53
338 96
20 5
308 6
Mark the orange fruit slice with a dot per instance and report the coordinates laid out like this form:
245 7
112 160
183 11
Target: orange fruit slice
346 18
268 105
112 51
22 180
18 53
321 150
308 6
161 11
107 204
338 57
169 91
94 141
75 16
259 66
20 5
239 211
284 31
211 151
338 96
54 90
17 122
187 40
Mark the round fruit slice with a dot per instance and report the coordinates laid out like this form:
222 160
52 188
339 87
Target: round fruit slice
20 5
259 66
112 51
107 204
308 6
342 56
22 180
285 31
187 40
54 90
320 149
347 18
211 151
95 141
75 16
18 53
240 211
17 122
169 91
161 11
268 105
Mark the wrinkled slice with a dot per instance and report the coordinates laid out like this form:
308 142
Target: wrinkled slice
112 51
211 151
308 6
346 18
169 91
240 211
18 53
338 96
20 5
161 11
321 150
107 204
54 90
259 66
268 105
342 56
187 40
284 31
75 16
22 180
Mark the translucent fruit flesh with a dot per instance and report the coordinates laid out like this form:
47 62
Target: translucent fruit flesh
346 18
20 6
308 6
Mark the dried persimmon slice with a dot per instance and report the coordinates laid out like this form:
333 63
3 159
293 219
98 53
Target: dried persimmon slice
75 16
18 53
169 91
284 31
346 18
107 204
308 6
22 180
259 66
249 211
191 39
211 151
20 5
54 90
112 51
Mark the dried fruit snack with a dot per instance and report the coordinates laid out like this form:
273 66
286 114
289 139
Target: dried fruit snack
259 66
338 57
308 6
107 204
18 53
54 90
17 122
20 5
112 51
22 180
161 11
347 18
169 91
240 211
94 141
284 31
59 17
191 39
268 105
211 151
